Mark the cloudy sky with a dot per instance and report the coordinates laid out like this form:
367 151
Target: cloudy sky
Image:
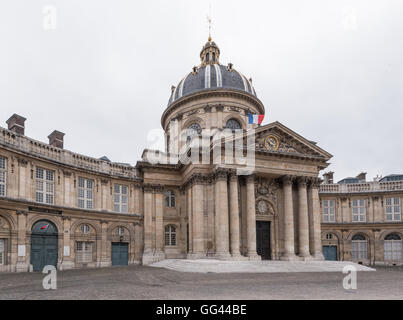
101 71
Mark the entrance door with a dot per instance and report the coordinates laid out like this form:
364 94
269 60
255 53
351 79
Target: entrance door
43 245
263 239
120 253
330 253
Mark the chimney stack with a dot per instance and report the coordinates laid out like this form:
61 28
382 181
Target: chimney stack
362 177
328 177
56 139
16 123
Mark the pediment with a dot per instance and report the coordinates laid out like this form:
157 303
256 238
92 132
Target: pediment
286 141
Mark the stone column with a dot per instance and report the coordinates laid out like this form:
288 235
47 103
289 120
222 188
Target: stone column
316 217
67 262
159 224
197 218
190 221
234 215
303 223
221 215
148 224
251 218
138 242
289 252
106 259
22 264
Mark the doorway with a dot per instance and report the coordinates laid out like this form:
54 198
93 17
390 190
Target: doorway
263 239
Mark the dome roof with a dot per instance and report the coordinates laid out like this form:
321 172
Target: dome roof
211 76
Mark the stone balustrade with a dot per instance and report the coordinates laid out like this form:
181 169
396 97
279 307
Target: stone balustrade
16 142
374 186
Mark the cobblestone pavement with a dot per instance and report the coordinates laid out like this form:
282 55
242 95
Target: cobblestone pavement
266 266
140 282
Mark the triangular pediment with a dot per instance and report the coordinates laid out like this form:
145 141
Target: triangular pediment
277 138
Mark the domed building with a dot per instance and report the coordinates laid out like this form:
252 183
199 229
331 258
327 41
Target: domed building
225 187
227 207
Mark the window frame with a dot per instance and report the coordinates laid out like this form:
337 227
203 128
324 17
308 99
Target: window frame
357 252
119 205
170 199
327 210
393 206
86 190
170 235
360 206
391 254
83 254
3 177
46 184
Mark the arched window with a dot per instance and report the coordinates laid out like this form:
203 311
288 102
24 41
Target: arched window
392 247
170 199
193 130
233 124
359 247
85 229
170 235
120 231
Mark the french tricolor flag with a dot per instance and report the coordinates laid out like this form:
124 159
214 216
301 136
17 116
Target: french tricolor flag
255 118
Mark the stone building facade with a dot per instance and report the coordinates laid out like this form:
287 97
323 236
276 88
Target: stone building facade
361 220
73 211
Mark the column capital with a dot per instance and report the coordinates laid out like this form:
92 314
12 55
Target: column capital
233 175
250 178
66 218
20 212
302 181
314 182
288 179
221 174
153 188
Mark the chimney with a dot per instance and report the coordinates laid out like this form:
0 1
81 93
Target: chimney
362 177
56 139
328 177
16 124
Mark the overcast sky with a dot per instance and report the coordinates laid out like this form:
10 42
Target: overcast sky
330 70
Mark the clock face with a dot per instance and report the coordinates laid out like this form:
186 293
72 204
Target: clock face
271 143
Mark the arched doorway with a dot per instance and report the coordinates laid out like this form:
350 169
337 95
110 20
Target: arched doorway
43 244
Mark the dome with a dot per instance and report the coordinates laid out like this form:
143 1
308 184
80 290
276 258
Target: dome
211 75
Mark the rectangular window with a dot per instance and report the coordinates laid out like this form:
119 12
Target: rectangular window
1 251
392 207
120 198
328 210
359 210
84 252
3 176
85 193
359 249
44 186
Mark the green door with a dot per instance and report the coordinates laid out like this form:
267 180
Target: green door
43 245
330 253
120 253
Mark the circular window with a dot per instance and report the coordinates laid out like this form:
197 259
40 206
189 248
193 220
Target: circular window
233 124
85 228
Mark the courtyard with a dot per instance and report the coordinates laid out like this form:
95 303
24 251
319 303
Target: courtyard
145 282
